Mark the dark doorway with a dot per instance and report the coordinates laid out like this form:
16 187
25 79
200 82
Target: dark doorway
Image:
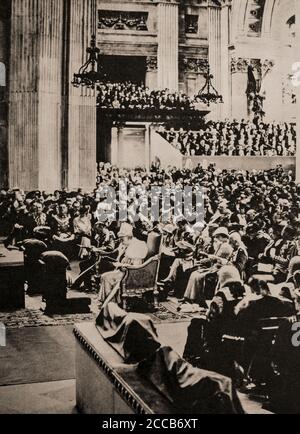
124 68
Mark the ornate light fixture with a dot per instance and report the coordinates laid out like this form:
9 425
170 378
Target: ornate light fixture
88 75
209 94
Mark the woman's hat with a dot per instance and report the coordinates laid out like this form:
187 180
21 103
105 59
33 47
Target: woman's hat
221 231
126 230
185 245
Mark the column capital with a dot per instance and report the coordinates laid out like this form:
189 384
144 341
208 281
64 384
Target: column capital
263 66
194 65
151 63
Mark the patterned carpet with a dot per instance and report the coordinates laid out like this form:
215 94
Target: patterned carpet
33 315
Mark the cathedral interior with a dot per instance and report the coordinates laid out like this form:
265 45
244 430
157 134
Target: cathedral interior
181 91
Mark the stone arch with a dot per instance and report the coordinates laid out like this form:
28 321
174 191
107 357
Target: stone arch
281 18
260 17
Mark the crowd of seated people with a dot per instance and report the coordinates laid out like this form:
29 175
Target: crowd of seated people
235 138
239 267
129 95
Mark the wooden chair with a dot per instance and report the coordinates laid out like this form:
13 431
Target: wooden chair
140 284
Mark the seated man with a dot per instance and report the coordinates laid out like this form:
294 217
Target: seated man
38 223
132 252
20 218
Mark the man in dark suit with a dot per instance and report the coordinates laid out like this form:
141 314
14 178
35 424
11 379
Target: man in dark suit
261 306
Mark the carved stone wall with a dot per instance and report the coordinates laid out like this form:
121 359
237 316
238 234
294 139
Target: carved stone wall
123 20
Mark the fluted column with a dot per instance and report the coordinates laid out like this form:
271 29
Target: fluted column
297 59
49 94
81 152
225 63
35 94
168 39
214 39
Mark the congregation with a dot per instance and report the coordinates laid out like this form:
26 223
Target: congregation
129 96
234 138
239 267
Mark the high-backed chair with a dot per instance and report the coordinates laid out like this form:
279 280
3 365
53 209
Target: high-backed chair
33 249
154 242
139 284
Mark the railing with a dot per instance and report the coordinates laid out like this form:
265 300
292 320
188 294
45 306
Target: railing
152 115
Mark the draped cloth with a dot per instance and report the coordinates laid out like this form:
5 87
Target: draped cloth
191 390
132 335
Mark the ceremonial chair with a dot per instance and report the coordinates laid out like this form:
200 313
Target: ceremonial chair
55 286
33 248
139 284
154 241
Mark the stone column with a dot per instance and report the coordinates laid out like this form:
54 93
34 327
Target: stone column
214 56
239 79
81 143
35 94
147 146
168 40
225 64
297 59
114 146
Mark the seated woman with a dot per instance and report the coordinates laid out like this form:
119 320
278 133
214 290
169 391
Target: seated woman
83 231
62 228
132 252
229 293
195 291
205 334
180 269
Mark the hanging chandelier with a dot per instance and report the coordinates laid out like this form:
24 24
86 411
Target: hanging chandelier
209 94
88 75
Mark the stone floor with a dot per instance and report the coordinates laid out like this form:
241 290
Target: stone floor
56 397
59 397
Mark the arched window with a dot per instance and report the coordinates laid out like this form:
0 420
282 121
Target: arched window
2 74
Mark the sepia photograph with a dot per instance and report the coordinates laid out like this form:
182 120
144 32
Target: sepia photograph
149 210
